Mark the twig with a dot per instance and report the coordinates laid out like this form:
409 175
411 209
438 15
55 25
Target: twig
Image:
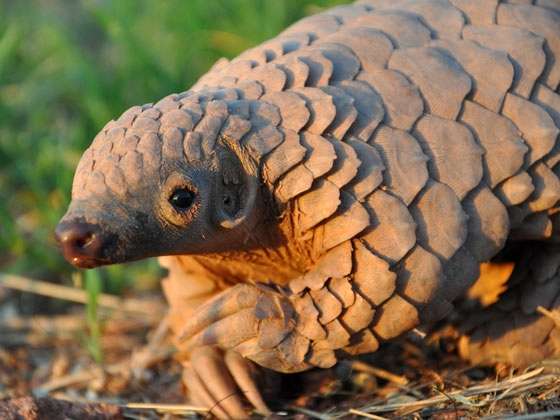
381 373
73 294
166 408
366 415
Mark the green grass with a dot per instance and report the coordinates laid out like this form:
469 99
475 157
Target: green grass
67 67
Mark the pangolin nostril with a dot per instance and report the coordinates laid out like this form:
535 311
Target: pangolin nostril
80 241
84 241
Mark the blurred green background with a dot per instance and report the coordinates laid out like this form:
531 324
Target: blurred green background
69 66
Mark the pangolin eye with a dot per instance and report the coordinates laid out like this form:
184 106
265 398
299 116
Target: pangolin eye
182 199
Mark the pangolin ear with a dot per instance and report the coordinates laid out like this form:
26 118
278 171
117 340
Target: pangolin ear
239 184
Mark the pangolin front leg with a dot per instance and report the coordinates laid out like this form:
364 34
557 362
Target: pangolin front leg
254 320
221 381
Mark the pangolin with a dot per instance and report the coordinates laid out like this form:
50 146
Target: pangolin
340 185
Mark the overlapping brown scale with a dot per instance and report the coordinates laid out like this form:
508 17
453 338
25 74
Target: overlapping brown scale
316 205
523 47
372 48
269 75
407 171
284 157
263 113
515 190
215 115
370 172
491 71
488 224
346 113
540 21
193 107
441 221
536 125
297 72
296 181
235 127
358 316
149 147
478 12
547 188
405 30
456 163
345 63
250 89
293 42
317 26
441 16
127 144
553 158
318 69
362 342
549 100
293 350
372 277
504 149
345 166
369 105
320 154
395 317
342 289
321 108
323 358
192 146
392 231
293 110
350 219
442 81
177 118
420 278
460 271
133 166
308 323
401 99
337 262
337 337
262 139
328 305
114 136
264 136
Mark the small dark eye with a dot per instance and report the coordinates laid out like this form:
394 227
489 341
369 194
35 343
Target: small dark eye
182 199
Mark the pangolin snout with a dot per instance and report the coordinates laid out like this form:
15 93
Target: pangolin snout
82 243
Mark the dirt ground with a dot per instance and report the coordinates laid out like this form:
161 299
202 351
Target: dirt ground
45 358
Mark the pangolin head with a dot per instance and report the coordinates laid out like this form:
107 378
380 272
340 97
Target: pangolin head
151 184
